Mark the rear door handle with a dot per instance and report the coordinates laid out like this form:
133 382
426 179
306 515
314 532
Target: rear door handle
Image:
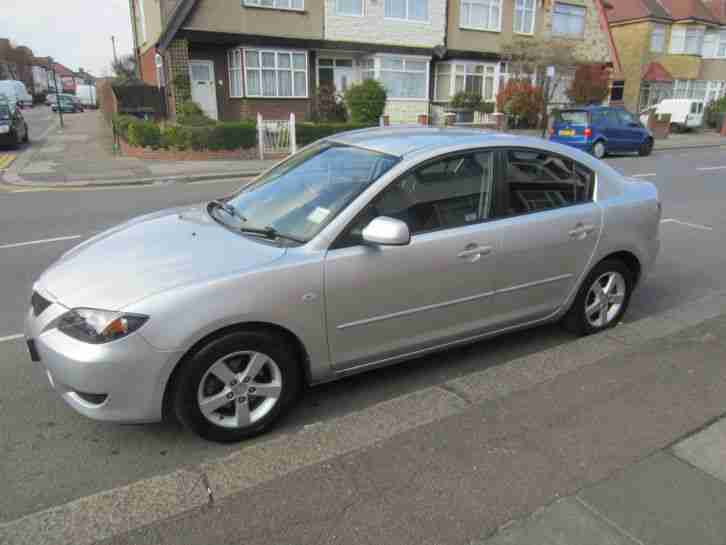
581 231
473 252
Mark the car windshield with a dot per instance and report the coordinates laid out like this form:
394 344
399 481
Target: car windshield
576 117
300 196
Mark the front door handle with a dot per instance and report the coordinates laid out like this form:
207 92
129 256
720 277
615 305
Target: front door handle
473 252
581 231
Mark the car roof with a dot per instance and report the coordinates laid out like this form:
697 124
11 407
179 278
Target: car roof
403 140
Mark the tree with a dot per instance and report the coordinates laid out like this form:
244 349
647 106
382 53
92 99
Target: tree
522 100
591 84
534 57
124 68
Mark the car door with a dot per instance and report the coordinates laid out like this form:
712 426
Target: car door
384 301
548 226
632 132
612 130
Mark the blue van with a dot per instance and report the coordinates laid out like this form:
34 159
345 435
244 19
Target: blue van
601 129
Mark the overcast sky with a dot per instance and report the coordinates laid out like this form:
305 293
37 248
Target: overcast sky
76 33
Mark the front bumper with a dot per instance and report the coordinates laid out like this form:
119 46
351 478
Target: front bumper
125 378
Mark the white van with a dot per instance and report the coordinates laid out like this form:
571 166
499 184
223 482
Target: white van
686 113
16 92
87 95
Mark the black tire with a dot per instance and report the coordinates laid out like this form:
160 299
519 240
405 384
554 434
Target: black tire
576 321
16 142
646 148
194 368
599 150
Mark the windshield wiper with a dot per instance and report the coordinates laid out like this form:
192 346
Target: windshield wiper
271 233
228 208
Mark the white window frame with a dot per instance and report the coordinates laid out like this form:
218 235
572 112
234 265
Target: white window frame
406 18
584 20
346 14
700 35
235 68
659 33
521 6
377 69
258 4
490 71
259 69
489 4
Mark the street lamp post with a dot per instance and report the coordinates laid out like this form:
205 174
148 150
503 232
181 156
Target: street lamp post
57 94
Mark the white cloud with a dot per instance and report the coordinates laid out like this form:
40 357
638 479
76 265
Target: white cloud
76 33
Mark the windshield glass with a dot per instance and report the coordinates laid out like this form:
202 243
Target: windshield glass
303 194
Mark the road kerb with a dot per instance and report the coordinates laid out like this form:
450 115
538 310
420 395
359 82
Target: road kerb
123 509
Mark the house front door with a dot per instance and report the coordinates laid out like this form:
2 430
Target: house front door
204 91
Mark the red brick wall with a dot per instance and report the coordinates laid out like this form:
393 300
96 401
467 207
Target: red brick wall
275 108
148 67
187 155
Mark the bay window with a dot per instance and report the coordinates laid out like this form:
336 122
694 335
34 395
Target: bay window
481 14
694 41
404 78
568 20
234 63
657 38
453 77
412 10
687 40
280 74
349 7
721 51
524 15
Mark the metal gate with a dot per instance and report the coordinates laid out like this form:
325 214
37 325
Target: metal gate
276 136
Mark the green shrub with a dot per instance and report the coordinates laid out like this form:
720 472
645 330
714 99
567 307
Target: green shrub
310 132
466 101
192 115
366 101
145 134
715 111
121 124
176 137
233 136
486 107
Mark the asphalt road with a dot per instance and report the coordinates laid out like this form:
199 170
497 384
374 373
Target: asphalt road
51 455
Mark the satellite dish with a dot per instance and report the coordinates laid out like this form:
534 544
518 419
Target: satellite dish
440 51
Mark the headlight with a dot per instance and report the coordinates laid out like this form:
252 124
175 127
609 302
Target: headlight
97 326
4 129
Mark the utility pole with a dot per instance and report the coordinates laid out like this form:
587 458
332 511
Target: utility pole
57 93
113 44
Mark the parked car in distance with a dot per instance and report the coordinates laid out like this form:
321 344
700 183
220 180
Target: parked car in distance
600 130
69 104
13 127
87 95
363 249
685 113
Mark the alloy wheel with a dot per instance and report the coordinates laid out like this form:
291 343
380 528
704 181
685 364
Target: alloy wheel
239 389
605 299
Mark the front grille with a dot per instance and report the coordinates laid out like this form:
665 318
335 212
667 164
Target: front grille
39 303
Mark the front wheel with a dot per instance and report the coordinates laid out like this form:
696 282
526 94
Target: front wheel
602 300
598 149
237 386
646 148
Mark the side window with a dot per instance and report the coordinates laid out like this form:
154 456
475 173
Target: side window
625 118
598 119
442 194
613 119
533 181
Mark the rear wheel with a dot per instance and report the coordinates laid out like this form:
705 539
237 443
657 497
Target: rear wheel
598 149
602 300
646 148
237 386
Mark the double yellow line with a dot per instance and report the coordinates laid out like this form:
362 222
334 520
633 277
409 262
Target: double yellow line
6 160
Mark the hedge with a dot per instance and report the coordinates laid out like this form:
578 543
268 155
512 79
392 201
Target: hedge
221 136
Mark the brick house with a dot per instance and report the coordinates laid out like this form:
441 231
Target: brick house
670 49
269 56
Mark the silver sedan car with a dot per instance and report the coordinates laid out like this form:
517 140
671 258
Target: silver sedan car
362 250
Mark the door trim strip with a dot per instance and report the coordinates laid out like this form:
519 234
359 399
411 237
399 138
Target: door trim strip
416 310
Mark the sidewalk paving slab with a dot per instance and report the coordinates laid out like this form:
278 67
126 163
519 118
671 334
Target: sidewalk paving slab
565 522
663 501
706 450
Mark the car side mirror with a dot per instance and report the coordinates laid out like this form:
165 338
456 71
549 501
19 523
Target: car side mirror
387 231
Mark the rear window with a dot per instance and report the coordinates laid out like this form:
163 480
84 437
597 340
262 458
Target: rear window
4 111
577 117
697 108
